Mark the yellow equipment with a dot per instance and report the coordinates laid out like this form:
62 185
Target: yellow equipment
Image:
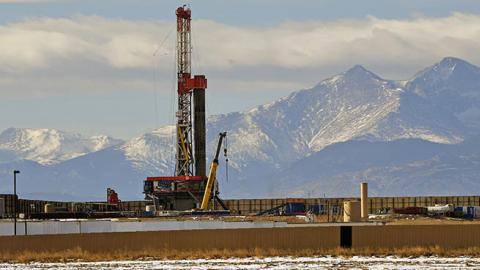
212 175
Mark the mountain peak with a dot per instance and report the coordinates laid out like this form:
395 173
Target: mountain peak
357 68
358 72
452 84
446 69
452 61
358 77
447 74
452 65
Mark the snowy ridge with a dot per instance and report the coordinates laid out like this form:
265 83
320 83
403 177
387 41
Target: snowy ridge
452 84
51 146
354 104
152 152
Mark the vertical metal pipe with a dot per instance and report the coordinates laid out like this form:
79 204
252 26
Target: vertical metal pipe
364 200
199 138
15 203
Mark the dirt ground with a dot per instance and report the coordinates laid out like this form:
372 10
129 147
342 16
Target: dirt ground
390 219
395 219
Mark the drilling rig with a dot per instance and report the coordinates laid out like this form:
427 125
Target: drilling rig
185 190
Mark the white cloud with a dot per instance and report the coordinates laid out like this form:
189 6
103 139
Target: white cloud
316 44
69 49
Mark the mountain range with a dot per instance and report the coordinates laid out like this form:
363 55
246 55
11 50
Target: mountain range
414 137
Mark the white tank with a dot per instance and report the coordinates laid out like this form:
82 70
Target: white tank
440 209
150 208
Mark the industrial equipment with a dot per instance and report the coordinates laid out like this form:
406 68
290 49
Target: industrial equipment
411 210
291 207
212 176
184 190
112 197
2 207
439 209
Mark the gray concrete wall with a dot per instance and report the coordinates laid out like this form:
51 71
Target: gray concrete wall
69 227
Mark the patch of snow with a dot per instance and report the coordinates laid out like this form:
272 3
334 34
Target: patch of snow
278 263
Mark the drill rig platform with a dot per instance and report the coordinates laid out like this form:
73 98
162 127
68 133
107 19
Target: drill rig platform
184 190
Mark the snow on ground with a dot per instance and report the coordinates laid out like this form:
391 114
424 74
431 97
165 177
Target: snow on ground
279 263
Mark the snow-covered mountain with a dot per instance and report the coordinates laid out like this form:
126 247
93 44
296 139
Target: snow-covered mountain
50 146
152 152
454 85
351 105
356 104
91 165
337 132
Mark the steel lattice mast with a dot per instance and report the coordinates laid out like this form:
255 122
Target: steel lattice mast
185 160
185 190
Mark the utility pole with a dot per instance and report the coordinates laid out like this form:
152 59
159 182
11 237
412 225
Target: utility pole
15 172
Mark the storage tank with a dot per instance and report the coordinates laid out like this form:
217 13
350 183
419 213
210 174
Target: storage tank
150 208
440 209
49 208
351 211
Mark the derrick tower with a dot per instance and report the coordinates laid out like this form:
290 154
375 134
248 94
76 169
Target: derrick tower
189 135
185 189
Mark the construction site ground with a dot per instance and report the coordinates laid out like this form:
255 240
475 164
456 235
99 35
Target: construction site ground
390 219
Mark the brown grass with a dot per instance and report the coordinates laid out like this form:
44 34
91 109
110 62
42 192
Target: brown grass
82 255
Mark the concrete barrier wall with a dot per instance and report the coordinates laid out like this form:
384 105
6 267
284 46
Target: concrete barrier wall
278 238
395 236
69 227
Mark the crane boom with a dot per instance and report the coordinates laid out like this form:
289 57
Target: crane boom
212 175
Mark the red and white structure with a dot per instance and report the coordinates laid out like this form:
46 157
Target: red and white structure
185 189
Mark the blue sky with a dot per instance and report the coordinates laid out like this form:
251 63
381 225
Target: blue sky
243 12
89 66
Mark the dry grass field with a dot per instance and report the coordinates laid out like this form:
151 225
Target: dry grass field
117 255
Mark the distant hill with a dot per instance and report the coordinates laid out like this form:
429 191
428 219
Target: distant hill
407 167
